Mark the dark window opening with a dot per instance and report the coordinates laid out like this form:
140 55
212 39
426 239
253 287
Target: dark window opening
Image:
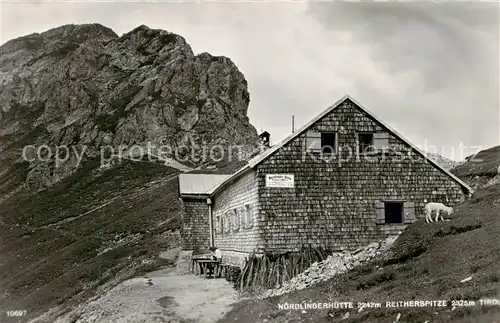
328 142
393 212
365 142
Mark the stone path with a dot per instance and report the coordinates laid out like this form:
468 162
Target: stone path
162 296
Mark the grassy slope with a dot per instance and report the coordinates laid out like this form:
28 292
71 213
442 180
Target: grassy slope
45 261
427 262
481 168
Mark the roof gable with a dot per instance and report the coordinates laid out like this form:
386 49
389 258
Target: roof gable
254 162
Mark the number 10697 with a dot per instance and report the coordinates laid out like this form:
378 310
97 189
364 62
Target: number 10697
16 313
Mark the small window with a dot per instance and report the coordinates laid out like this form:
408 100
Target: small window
365 142
393 212
248 216
328 142
243 218
325 142
236 220
227 223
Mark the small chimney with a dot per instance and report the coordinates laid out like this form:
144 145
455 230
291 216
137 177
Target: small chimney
264 138
293 123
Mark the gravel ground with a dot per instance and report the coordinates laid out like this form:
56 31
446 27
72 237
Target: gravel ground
161 296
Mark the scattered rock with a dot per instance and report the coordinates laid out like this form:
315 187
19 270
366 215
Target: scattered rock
335 264
357 251
466 279
170 255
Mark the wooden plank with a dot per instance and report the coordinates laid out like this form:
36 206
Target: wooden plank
380 211
250 272
271 275
409 212
257 271
243 274
313 140
381 141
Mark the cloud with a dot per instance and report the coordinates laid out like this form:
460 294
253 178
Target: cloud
430 70
437 39
452 49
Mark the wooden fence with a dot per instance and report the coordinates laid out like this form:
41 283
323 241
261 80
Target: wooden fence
271 271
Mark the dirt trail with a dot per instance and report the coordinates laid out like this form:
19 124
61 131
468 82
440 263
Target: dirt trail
161 296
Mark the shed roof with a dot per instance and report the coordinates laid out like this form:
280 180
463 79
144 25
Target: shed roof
268 153
199 184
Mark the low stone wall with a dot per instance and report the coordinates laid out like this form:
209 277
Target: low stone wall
234 258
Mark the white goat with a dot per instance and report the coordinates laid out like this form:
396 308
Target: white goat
437 207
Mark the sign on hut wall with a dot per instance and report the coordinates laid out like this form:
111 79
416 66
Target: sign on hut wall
280 180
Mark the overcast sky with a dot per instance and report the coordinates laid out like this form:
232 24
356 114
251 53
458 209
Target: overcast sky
429 70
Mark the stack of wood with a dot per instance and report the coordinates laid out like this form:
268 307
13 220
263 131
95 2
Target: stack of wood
271 271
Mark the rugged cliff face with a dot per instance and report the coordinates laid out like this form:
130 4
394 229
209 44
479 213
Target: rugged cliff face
70 223
85 88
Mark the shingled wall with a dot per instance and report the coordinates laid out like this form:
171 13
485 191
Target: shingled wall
334 202
244 239
195 228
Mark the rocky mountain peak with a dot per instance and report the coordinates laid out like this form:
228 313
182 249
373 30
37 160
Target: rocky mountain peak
79 33
64 35
82 85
